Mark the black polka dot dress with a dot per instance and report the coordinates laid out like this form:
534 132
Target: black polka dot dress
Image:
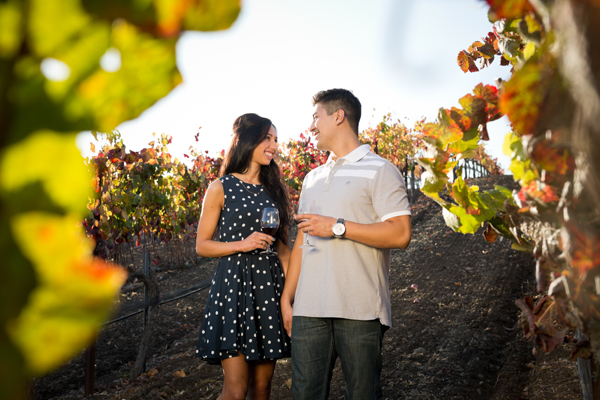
242 312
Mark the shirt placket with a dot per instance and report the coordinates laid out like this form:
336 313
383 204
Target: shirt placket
338 163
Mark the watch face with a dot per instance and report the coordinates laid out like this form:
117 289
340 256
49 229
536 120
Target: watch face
338 229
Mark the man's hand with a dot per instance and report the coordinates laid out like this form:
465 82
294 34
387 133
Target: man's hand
287 311
316 225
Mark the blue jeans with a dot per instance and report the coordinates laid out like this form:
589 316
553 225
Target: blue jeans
316 344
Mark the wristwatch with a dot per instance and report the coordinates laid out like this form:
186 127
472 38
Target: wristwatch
339 228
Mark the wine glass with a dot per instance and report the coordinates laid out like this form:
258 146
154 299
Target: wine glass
302 210
269 224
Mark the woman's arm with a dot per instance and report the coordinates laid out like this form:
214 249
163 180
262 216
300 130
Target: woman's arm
209 219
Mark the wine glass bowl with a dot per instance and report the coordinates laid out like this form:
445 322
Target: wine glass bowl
269 224
306 243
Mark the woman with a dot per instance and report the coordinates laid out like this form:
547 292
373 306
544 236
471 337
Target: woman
242 327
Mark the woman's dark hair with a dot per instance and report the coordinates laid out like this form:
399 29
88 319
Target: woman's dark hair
248 131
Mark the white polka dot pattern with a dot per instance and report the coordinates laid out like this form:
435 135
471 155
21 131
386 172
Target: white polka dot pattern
242 312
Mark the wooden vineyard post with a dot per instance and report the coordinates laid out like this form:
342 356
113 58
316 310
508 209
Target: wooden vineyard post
152 292
412 184
146 272
589 375
90 368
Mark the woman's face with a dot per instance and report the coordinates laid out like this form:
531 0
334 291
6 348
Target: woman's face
265 151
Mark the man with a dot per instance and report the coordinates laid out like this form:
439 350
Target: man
336 300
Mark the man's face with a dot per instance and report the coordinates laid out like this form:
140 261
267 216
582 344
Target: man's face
322 127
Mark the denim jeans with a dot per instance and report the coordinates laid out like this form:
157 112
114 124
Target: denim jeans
316 344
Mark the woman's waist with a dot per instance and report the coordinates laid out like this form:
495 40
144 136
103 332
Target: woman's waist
258 254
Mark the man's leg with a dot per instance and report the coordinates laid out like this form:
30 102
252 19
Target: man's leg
359 345
313 358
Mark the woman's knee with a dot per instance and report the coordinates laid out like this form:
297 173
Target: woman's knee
235 393
259 389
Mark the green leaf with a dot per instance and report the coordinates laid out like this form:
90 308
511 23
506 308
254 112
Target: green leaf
468 223
522 247
463 195
451 220
432 180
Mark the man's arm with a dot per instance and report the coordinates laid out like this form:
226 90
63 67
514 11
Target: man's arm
291 282
393 233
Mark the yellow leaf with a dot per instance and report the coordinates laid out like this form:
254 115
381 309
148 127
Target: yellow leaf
147 64
179 374
52 23
529 50
75 291
27 162
10 34
207 15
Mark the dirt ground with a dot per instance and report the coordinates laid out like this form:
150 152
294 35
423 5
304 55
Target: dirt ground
456 333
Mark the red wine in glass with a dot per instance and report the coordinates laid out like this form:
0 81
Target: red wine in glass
269 224
269 231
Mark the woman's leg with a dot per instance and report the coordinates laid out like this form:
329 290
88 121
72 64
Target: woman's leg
235 378
259 380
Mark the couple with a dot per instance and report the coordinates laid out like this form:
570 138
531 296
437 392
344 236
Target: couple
331 299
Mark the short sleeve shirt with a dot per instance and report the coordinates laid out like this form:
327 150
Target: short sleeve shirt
341 278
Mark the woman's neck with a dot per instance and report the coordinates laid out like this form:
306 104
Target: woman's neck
251 176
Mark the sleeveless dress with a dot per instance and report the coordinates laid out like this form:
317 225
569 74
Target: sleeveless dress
243 311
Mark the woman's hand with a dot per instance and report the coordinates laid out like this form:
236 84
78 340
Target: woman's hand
257 240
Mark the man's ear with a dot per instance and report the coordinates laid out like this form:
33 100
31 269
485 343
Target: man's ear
340 116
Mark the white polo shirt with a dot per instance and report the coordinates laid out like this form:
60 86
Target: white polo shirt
341 278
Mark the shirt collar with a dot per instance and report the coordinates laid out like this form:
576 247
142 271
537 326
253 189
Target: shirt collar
355 155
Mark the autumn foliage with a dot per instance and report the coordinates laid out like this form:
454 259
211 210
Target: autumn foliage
53 293
549 100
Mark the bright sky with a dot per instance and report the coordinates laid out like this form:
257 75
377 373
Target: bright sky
396 56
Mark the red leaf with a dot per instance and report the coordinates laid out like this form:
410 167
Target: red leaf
490 94
475 107
483 132
466 62
509 8
523 95
490 234
446 134
540 191
458 116
555 160
586 250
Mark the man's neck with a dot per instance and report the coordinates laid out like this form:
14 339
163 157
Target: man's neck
345 146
